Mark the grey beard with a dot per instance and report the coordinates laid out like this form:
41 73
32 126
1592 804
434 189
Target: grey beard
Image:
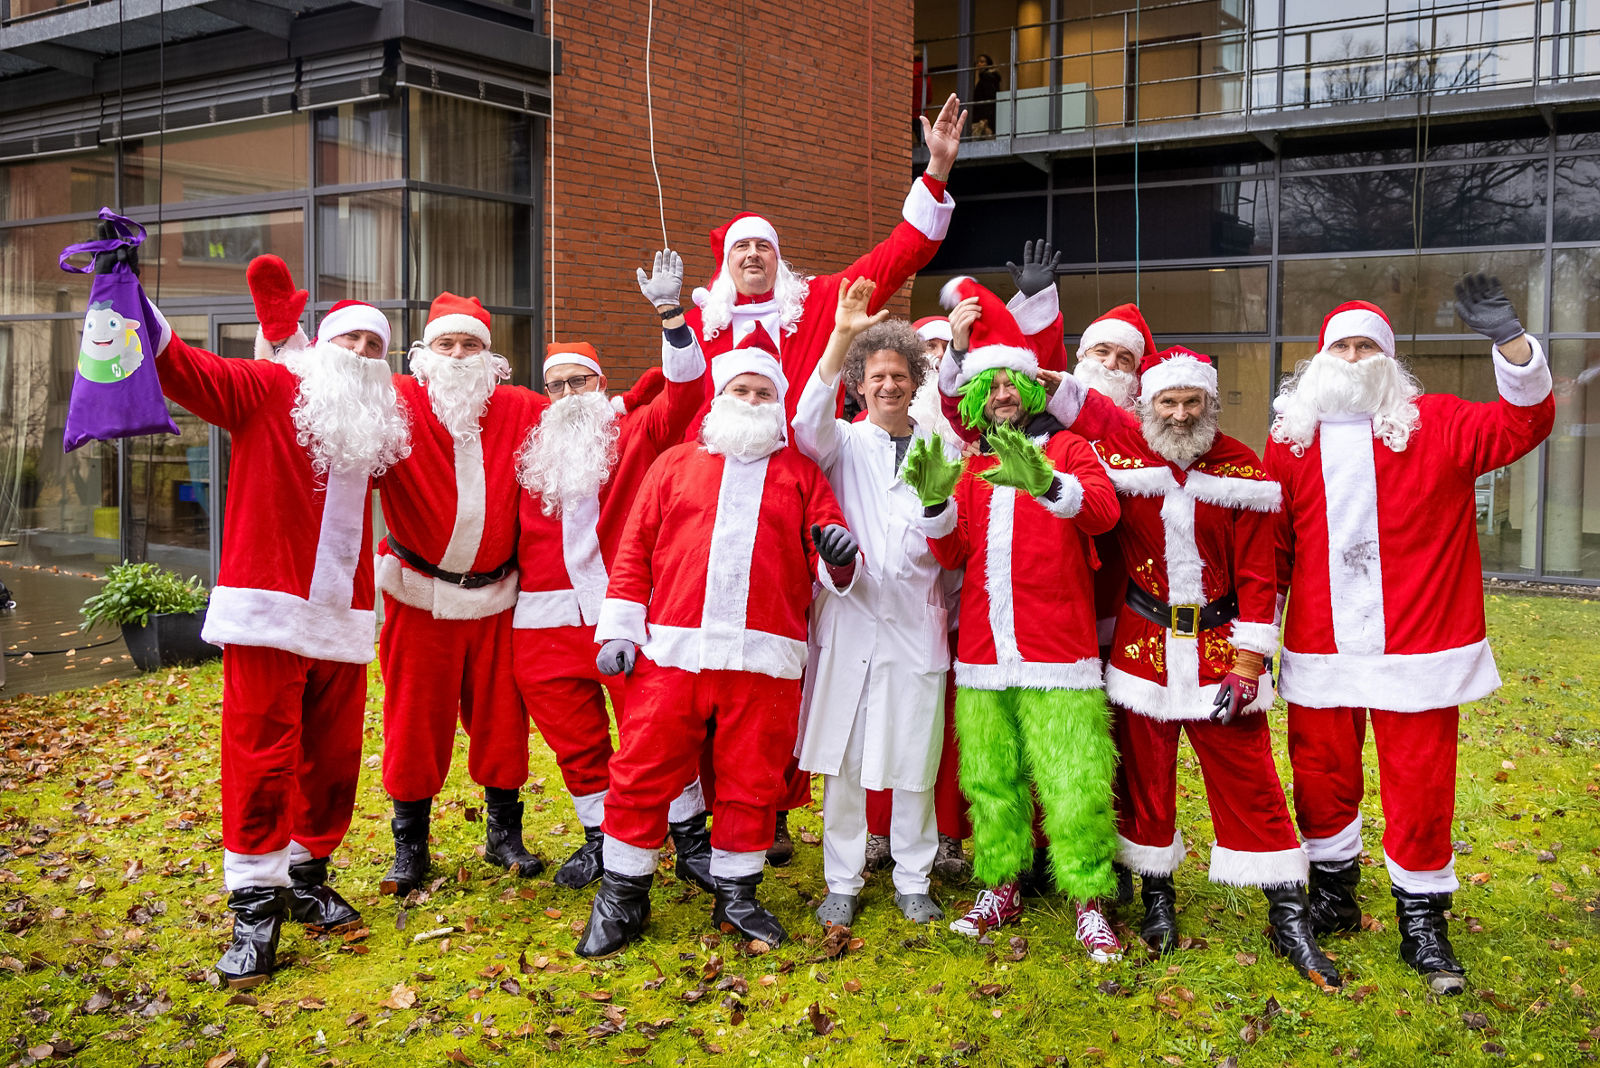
1180 445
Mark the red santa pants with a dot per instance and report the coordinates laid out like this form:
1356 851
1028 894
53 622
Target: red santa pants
757 717
566 696
291 755
1256 843
435 670
1416 783
949 803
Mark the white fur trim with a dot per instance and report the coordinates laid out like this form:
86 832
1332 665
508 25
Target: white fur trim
1257 495
1035 314
751 226
1176 702
1441 881
1257 637
440 599
1177 372
621 619
1083 674
936 330
356 317
1066 403
941 525
298 854
1151 860
631 860
997 358
1355 560
240 870
997 576
1527 384
729 865
1337 848
1141 481
265 350
273 619
730 564
590 808
1115 332
575 358
543 609
1398 682
455 323
1068 501
930 217
471 505
580 550
718 649
1358 322
345 501
688 804
619 404
687 364
1280 867
950 292
736 362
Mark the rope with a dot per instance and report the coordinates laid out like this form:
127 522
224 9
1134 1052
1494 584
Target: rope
1090 105
1419 181
650 108
1138 18
20 653
550 8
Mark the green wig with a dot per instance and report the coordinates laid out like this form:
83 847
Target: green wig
975 394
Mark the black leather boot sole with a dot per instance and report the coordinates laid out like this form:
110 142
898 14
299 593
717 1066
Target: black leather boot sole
1425 941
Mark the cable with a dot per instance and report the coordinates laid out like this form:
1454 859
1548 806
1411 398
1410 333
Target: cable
650 108
20 653
550 9
1138 18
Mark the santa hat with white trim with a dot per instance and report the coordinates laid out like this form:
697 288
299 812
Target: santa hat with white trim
741 227
1123 325
1357 318
450 314
349 315
1176 368
579 353
932 328
996 341
755 354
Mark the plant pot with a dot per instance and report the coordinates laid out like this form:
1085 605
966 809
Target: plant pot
168 640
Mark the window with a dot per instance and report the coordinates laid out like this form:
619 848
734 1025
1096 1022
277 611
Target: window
235 160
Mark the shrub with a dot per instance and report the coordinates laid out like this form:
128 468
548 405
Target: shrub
133 591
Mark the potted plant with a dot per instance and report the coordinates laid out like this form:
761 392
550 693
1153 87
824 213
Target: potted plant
161 615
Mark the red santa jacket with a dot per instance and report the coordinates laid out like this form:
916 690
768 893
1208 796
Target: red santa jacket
455 504
906 250
296 570
716 566
1190 537
563 559
1027 601
1380 551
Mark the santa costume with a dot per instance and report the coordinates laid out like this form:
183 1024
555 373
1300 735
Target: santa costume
1385 616
448 571
1196 622
293 603
1029 707
710 589
568 541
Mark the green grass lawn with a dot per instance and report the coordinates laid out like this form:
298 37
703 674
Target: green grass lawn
112 914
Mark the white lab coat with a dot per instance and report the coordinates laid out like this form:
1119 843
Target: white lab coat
895 618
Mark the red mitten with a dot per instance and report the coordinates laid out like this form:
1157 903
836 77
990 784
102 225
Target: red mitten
279 304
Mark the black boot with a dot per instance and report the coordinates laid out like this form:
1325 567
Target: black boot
1332 889
258 915
737 906
692 841
1036 881
1289 912
505 846
410 827
1425 942
1124 884
1160 927
586 864
781 851
316 904
621 909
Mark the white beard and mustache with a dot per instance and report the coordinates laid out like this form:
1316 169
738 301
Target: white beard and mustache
1378 387
459 390
346 412
743 431
1184 444
1121 386
570 454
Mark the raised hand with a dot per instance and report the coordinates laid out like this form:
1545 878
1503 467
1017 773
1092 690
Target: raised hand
1482 303
1022 465
279 304
851 315
943 136
835 544
1038 270
962 316
617 657
664 286
929 473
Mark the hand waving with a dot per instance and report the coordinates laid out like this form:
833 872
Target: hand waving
1038 270
929 473
1482 303
851 316
1022 463
664 286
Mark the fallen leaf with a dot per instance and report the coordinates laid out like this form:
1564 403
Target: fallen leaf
400 997
853 986
456 1055
222 1060
821 1023
1245 959
1475 1021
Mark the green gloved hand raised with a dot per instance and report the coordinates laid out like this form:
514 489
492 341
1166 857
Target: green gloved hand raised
929 473
1022 463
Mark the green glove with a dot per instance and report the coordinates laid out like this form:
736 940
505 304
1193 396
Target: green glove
929 473
1022 463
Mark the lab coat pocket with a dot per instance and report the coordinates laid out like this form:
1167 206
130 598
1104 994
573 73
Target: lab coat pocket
935 638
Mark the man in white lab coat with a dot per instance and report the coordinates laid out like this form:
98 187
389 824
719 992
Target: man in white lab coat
873 711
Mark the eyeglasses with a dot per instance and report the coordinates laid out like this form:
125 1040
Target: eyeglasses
575 384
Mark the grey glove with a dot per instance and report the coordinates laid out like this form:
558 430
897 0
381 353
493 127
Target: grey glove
617 657
1038 270
664 287
1483 305
835 544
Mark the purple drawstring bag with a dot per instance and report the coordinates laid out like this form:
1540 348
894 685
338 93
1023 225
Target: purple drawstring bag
116 392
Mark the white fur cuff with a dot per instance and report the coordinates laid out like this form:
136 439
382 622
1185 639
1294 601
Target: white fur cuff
1151 860
1526 384
1283 867
682 365
1257 637
941 525
620 619
1035 314
930 217
1068 501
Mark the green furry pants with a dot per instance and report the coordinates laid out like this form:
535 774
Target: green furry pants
1060 742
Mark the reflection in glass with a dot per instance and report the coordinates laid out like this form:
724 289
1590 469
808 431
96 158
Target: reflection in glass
169 482
207 257
1417 292
233 160
478 248
475 146
1175 303
1244 386
1175 222
358 246
1572 493
57 185
1577 198
31 279
359 142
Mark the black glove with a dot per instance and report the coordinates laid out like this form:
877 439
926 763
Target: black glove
105 261
835 544
1483 305
617 657
1038 270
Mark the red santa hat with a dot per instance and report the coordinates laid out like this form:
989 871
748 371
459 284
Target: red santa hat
756 354
996 341
1123 325
932 328
580 353
1176 368
650 384
450 314
741 227
348 315
1357 318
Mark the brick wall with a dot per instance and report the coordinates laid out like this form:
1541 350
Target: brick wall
799 112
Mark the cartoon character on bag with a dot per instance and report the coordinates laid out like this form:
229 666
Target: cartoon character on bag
110 350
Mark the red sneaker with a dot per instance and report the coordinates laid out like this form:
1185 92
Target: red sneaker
1095 932
994 908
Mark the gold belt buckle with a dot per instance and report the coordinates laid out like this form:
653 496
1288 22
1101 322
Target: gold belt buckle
1186 620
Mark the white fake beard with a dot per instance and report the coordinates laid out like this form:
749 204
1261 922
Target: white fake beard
744 431
1378 386
1121 386
459 390
1184 444
570 453
346 412
789 289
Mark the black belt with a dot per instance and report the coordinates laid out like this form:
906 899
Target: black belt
472 580
1185 620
